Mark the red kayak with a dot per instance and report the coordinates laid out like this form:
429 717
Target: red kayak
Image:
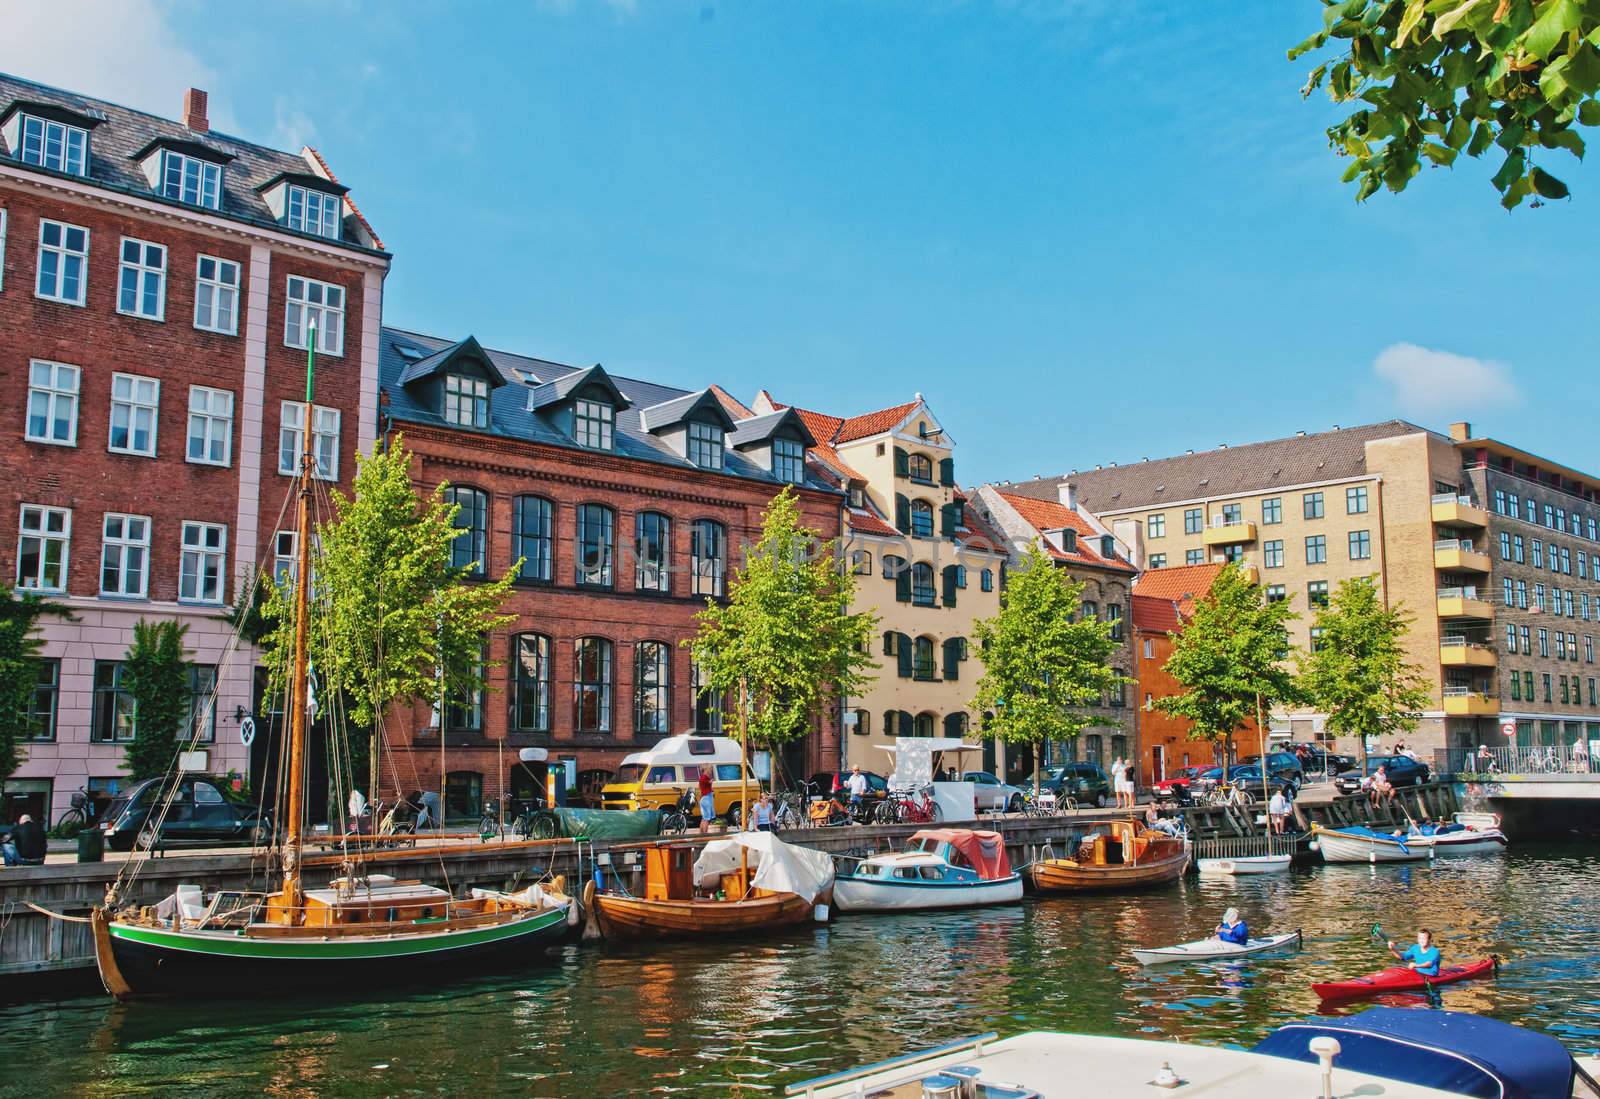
1402 979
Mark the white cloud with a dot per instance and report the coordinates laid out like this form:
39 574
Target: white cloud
1426 382
292 128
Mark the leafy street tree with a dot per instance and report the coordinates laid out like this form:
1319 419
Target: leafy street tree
1359 675
156 674
19 670
786 638
1232 659
389 609
1043 664
1432 79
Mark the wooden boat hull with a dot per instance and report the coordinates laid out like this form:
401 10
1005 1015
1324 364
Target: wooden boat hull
1252 864
636 918
1070 876
1214 949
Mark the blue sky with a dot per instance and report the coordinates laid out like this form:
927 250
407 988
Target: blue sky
1086 230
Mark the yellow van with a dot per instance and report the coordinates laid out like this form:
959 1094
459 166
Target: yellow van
657 778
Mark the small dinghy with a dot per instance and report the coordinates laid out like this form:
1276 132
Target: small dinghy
1214 949
1401 978
1250 864
1362 844
1467 834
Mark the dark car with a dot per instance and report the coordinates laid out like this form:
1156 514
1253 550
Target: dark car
1285 765
1320 761
1084 783
200 813
822 784
1399 770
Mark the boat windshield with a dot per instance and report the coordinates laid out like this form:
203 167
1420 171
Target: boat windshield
630 773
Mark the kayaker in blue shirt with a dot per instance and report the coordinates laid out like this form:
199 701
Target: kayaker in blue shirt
1232 929
1423 957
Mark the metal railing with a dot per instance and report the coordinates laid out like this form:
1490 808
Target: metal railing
1467 592
1456 641
1468 692
1227 521
1530 759
1463 544
1454 498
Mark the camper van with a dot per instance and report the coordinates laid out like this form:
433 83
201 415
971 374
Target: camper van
656 779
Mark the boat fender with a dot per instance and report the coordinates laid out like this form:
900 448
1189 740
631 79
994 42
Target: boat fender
820 913
591 922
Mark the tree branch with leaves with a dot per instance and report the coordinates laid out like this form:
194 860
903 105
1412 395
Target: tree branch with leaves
156 674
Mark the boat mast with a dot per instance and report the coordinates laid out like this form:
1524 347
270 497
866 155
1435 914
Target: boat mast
292 892
1266 794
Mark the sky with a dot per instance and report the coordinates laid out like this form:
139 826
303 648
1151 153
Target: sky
1085 230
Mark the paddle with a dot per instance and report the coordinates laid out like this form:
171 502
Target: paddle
1377 933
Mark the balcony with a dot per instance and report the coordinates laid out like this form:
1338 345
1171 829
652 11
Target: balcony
1459 556
1467 702
1463 603
1225 531
1458 652
1458 511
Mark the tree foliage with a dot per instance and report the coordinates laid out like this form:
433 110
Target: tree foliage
1233 651
1432 79
156 674
786 633
1359 675
19 670
1043 664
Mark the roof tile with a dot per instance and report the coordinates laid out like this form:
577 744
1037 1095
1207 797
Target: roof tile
1045 515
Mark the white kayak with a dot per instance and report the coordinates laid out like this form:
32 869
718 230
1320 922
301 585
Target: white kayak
1213 949
1250 864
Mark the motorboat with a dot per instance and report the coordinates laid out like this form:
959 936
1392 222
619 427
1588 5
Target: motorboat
940 868
1214 949
1124 855
1249 864
1362 844
1466 834
1384 1052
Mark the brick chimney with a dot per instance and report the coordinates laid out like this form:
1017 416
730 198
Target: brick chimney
1461 431
194 111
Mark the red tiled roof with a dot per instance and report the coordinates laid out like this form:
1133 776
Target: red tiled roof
1045 515
731 404
977 533
865 521
1157 615
1180 584
873 423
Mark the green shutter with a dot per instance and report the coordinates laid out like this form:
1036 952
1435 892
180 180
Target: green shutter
902 514
949 519
947 471
888 723
902 585
949 579
903 651
953 726
902 463
907 726
952 658
888 643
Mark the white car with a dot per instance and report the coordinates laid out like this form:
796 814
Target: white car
992 795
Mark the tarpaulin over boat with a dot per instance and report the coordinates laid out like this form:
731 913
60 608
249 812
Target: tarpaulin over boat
986 851
605 823
780 867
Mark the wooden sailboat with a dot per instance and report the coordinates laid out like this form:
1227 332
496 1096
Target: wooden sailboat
1126 856
357 929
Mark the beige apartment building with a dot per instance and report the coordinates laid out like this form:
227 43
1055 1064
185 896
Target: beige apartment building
1431 517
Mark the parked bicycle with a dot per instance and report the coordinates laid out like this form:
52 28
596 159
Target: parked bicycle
519 820
1227 793
81 815
677 820
910 807
790 810
397 823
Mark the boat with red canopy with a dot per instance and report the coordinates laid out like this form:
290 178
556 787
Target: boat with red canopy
940 868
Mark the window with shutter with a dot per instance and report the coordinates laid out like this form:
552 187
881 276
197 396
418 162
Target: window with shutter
888 642
902 514
949 578
952 658
902 586
904 722
902 645
902 463
889 728
955 725
949 519
947 471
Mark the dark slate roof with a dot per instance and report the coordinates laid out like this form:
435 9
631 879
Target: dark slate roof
1253 467
556 390
510 417
123 133
758 429
679 409
429 365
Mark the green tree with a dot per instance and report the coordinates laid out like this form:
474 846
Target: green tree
1359 675
786 638
1431 79
389 609
156 674
1043 664
19 670
1232 659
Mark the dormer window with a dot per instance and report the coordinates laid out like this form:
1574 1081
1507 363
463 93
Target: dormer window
191 180
705 445
466 401
593 424
54 145
313 212
789 464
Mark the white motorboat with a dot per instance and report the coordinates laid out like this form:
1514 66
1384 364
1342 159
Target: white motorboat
1467 834
1214 949
940 868
1360 844
1250 864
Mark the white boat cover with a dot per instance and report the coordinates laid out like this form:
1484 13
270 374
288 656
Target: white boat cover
780 867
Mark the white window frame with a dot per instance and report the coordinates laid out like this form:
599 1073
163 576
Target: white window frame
134 403
142 270
324 441
285 561
124 544
202 562
53 393
204 172
299 310
67 134
208 313
204 414
39 531
63 252
465 394
323 222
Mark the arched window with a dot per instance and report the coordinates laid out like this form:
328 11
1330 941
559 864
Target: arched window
652 539
861 562
591 685
924 725
955 725
919 467
472 517
922 584
530 681
922 659
532 526
921 519
708 549
652 688
595 542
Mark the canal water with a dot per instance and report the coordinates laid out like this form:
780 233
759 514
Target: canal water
744 1018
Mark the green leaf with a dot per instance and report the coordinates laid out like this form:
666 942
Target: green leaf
1315 42
1447 22
1511 136
1583 70
1439 154
1510 171
1459 133
1563 139
1520 189
1408 21
1547 185
1559 18
1589 113
1482 138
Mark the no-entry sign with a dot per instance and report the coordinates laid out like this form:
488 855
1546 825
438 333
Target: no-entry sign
1509 728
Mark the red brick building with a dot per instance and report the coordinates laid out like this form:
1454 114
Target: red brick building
627 503
156 284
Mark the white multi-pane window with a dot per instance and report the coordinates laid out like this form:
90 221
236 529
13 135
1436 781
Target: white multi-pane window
314 212
284 558
314 303
134 404
216 295
125 555
200 569
142 279
324 440
56 145
52 404
210 426
63 262
187 179
466 401
42 539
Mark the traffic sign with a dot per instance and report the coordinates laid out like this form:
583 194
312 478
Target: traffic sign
1509 728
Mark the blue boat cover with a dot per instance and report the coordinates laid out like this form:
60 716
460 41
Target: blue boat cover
1448 1050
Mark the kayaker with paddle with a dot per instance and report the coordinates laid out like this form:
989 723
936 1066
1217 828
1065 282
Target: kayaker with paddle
1424 957
1232 929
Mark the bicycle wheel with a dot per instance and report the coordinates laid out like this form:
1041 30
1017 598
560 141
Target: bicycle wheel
72 818
544 826
488 825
